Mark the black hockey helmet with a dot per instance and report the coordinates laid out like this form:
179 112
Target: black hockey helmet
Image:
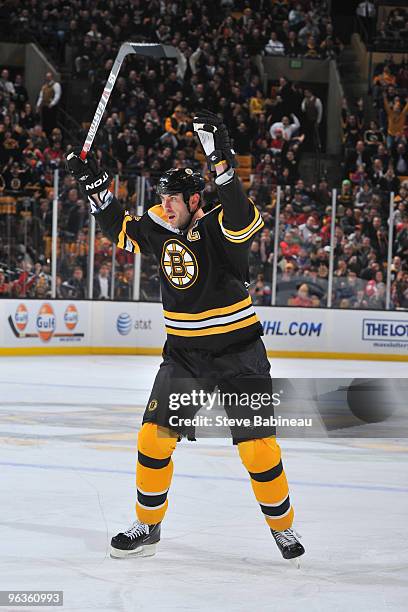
181 180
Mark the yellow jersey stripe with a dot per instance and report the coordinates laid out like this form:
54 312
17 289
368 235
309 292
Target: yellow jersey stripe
240 315
121 244
135 244
211 331
122 235
197 316
258 226
121 240
239 233
157 210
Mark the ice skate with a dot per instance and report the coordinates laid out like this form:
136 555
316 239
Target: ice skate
139 540
289 545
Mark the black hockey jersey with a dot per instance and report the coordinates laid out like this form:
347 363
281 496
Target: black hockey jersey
202 272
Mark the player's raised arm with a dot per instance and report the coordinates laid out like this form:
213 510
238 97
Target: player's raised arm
125 231
239 218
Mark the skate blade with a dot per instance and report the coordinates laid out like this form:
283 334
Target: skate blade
295 562
149 550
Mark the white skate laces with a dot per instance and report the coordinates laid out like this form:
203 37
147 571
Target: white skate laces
286 537
136 529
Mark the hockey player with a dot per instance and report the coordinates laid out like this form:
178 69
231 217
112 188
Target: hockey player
213 332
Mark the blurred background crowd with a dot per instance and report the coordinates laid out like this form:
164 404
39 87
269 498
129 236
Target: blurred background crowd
148 129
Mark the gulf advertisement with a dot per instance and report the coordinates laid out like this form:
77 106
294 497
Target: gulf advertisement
43 324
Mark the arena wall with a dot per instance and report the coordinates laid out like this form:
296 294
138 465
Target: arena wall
35 327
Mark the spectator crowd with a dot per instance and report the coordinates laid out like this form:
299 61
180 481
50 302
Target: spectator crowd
148 129
392 32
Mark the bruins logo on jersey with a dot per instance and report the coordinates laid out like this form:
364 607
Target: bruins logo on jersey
179 264
152 406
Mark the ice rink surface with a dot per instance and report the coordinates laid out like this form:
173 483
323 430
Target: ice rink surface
68 430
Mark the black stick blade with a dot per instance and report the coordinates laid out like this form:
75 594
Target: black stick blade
171 52
154 50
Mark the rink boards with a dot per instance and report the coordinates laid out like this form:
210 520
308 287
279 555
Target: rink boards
100 327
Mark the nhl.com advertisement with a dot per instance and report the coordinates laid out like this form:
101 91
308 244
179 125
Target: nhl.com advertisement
343 332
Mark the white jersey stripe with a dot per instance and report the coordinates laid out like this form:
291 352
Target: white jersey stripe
276 518
162 222
151 507
236 316
155 493
274 505
247 234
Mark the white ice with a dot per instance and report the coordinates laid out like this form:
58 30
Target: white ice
68 430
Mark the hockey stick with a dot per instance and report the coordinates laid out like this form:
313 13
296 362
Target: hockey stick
149 50
19 334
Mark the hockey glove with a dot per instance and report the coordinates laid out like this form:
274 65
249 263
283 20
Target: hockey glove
213 136
92 179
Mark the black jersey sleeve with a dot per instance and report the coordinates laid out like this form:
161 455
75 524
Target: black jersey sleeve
126 231
238 218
